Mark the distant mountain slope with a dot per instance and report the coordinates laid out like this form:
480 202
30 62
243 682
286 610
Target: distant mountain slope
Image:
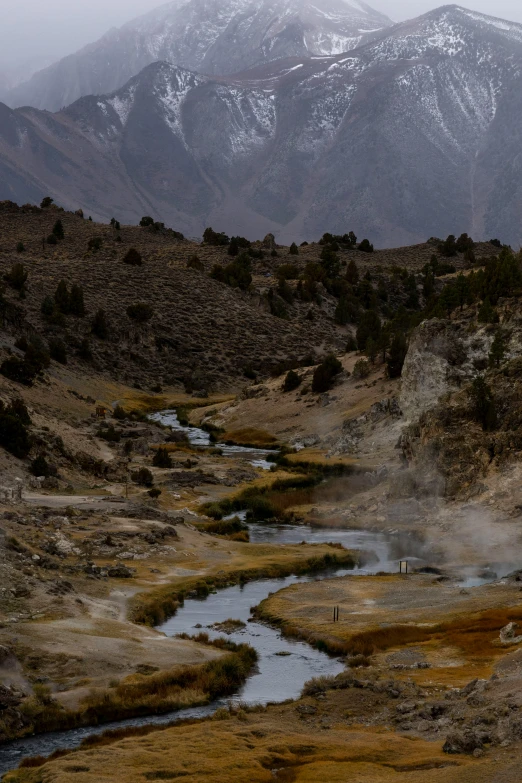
211 36
416 133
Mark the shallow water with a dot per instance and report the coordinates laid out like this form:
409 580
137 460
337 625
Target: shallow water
277 677
199 437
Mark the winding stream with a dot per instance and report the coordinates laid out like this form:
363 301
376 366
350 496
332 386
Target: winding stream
284 665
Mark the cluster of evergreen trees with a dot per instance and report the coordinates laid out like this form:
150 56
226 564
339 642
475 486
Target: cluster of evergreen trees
64 302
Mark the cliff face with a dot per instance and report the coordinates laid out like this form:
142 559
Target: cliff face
443 435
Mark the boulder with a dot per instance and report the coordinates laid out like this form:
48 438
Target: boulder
509 635
464 742
121 572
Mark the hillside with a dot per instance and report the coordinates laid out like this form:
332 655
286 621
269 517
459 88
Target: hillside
203 333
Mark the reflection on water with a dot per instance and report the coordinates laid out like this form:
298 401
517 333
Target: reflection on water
277 677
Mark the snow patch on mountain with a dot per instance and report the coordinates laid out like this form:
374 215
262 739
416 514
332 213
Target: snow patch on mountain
123 103
252 118
171 91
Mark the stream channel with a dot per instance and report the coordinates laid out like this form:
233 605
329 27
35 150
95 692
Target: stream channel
284 665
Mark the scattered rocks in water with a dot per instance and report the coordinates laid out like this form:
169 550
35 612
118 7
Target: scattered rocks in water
228 626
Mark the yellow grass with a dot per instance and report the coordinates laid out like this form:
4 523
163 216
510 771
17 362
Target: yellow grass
262 749
250 436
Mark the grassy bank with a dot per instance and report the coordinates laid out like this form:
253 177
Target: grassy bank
141 695
155 607
472 635
268 501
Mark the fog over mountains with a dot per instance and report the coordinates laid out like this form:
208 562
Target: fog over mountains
399 133
210 36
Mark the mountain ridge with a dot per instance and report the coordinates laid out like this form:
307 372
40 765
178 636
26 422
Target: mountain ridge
203 35
410 116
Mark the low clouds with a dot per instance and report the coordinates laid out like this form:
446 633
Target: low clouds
33 31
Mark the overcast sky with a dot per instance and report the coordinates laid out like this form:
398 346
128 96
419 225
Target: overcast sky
48 29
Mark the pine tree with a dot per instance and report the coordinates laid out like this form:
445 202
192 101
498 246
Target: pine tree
483 404
17 278
370 326
498 350
366 246
371 349
294 250
462 289
62 297
76 303
99 325
58 230
162 458
292 381
487 314
325 373
233 248
397 355
352 273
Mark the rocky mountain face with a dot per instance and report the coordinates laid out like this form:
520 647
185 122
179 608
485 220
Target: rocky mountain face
410 135
210 36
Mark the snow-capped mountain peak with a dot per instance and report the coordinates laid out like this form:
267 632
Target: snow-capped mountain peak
209 36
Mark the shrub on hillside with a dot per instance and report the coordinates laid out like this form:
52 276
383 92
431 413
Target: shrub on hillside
100 327
287 272
14 436
195 263
27 369
366 246
211 237
58 231
147 220
325 374
362 369
109 434
484 408
161 458
94 244
140 311
143 476
57 350
76 303
396 355
62 297
236 274
17 278
47 307
46 202
40 467
133 257
369 326
292 381
84 351
20 247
